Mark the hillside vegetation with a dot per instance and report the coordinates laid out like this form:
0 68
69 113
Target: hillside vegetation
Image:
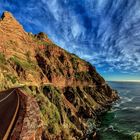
69 91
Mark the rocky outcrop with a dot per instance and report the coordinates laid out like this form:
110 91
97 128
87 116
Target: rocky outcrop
70 93
136 136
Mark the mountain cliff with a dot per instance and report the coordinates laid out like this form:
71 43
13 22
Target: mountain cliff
70 93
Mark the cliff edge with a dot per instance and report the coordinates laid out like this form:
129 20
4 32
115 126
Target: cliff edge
70 93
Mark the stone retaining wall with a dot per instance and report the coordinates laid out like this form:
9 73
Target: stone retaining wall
29 125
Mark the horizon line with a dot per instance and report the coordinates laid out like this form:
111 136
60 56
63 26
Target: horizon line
123 80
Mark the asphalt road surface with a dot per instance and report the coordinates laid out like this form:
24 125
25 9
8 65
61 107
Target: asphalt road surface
8 105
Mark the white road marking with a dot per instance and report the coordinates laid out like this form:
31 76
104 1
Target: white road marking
7 96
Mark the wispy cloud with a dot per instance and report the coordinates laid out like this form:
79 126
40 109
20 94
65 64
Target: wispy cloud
106 33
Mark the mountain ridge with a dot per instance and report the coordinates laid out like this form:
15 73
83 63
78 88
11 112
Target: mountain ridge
68 90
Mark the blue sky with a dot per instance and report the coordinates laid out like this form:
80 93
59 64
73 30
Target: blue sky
104 32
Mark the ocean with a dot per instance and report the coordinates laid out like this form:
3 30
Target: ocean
122 122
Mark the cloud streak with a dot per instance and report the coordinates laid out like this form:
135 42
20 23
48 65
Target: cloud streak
106 33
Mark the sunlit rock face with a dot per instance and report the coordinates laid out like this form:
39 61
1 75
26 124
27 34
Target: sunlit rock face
62 91
106 33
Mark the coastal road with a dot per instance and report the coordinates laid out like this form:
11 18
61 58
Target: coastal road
9 105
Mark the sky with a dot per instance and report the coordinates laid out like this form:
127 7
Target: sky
104 32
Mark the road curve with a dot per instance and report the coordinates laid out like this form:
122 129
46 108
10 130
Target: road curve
9 102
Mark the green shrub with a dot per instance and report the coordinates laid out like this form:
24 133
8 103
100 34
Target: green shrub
22 63
74 62
28 54
11 78
84 75
2 58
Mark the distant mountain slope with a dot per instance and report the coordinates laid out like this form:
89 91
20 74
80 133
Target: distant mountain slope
68 90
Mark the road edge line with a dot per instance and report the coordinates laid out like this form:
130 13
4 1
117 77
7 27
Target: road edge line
12 122
7 96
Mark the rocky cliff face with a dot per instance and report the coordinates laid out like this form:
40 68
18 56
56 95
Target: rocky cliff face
70 93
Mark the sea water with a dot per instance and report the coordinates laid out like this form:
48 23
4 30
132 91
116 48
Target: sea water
122 122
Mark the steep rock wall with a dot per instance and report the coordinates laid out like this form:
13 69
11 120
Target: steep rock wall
68 90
